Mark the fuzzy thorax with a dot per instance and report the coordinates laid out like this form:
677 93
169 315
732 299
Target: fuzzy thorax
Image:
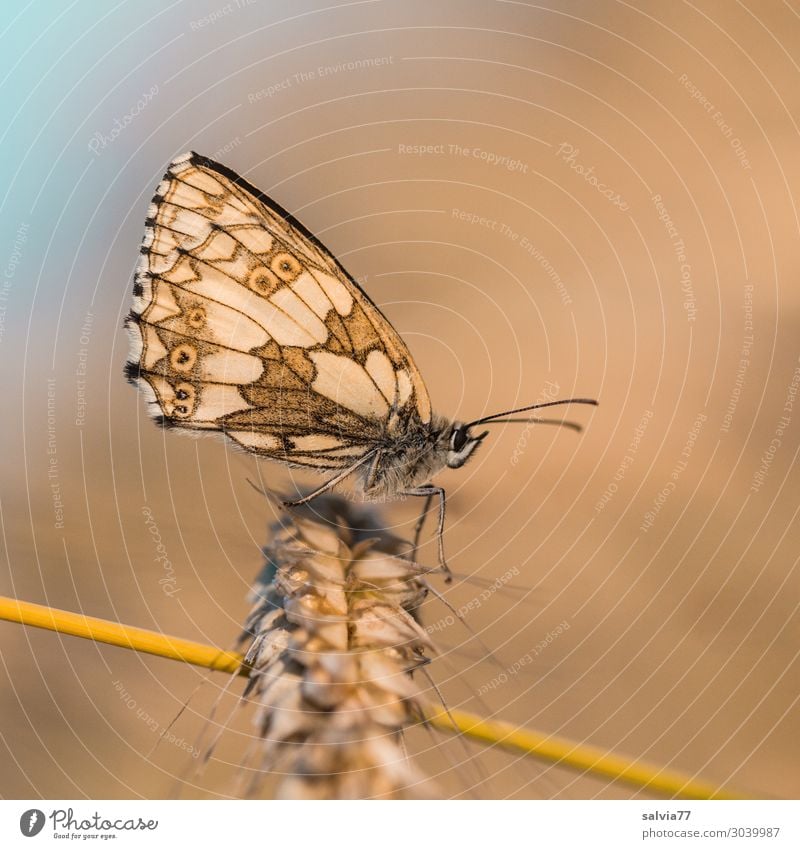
415 455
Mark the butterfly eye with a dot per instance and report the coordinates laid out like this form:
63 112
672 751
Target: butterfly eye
459 438
184 392
183 357
285 266
263 282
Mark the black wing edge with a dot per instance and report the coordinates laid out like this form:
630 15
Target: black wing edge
237 179
132 369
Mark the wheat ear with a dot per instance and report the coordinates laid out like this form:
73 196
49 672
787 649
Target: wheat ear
333 642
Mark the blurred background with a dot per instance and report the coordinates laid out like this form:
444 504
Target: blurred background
567 198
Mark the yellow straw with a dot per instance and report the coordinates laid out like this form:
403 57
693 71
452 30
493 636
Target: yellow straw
578 756
553 749
103 631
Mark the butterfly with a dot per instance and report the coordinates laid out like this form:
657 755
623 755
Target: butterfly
244 324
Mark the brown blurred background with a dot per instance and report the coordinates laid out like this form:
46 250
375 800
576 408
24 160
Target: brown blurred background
571 198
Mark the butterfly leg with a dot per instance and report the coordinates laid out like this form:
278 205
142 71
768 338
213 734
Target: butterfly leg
421 521
428 492
330 484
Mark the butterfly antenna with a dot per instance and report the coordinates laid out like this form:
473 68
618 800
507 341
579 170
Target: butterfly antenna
498 417
561 422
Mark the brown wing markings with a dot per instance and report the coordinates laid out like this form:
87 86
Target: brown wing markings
330 320
213 226
360 331
293 429
289 406
389 338
240 208
286 223
148 252
173 340
268 392
200 241
213 229
293 399
337 329
294 357
368 342
192 308
215 201
394 348
394 345
271 350
212 221
362 341
160 225
299 363
193 294
292 369
280 242
199 279
299 459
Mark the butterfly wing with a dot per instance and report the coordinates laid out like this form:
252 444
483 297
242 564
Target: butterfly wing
245 324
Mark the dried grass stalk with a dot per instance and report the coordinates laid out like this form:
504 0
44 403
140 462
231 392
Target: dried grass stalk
333 642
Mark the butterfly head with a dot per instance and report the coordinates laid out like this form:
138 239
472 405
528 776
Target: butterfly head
461 444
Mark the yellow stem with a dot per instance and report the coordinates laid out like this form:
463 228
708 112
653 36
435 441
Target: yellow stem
103 631
553 749
579 756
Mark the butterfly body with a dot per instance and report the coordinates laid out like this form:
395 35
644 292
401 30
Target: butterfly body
413 457
245 325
